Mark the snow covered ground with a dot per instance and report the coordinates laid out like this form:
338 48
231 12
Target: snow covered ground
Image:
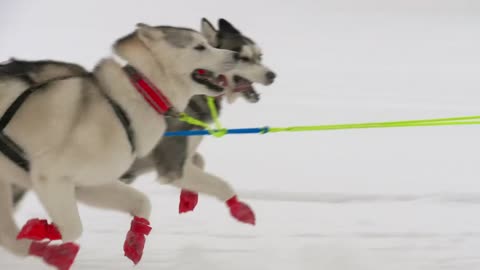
358 199
422 233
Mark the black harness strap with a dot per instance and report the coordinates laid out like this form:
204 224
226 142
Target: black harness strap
13 152
10 112
7 146
125 120
16 154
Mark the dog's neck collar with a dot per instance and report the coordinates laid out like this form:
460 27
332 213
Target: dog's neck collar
152 94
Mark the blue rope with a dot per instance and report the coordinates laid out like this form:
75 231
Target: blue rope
452 121
206 132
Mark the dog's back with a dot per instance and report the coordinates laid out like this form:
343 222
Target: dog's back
25 74
38 72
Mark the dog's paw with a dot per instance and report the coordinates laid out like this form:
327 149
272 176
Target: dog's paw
61 256
135 241
39 229
241 211
188 201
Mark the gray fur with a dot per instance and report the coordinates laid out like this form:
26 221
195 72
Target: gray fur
231 38
178 40
170 154
32 72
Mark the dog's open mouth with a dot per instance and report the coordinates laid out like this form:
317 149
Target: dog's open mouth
245 87
208 79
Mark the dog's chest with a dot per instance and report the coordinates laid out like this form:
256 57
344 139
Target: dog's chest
148 133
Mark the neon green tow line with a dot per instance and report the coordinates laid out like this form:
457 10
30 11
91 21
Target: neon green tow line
219 131
453 121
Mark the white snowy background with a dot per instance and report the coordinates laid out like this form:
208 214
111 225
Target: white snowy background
360 199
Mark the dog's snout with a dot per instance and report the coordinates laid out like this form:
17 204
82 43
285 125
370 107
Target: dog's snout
271 76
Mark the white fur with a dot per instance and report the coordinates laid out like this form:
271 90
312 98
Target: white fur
76 145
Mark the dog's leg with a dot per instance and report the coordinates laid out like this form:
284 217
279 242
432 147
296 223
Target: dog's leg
197 180
8 228
116 196
60 256
121 197
58 197
198 160
189 199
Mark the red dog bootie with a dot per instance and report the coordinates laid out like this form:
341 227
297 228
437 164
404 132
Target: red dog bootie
241 211
39 229
188 201
135 241
61 256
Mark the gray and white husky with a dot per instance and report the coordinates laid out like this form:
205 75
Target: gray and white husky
175 158
81 134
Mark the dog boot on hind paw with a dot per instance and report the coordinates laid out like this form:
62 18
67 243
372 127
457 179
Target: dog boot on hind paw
241 211
61 256
135 241
188 201
39 229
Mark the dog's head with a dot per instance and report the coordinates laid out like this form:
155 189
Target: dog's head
250 69
187 53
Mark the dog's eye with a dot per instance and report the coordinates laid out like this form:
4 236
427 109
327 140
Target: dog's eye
245 59
200 47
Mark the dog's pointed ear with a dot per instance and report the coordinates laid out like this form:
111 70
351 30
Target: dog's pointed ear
148 33
209 32
226 27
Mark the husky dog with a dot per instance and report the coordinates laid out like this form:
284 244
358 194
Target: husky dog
80 134
175 158
173 154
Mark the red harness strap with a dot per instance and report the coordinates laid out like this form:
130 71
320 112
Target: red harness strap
149 91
